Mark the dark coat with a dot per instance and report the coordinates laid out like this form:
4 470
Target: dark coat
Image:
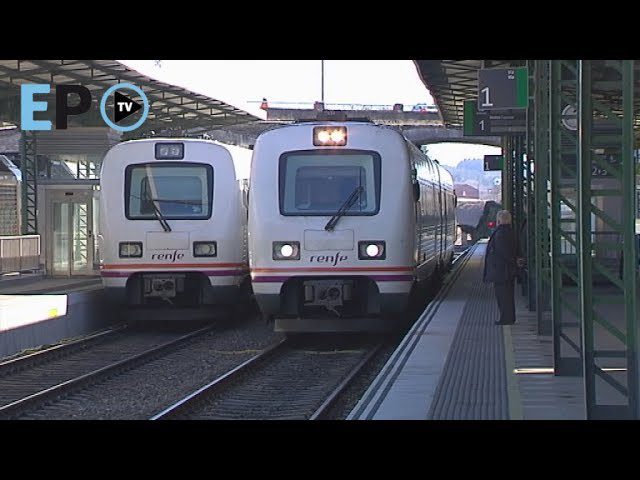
500 257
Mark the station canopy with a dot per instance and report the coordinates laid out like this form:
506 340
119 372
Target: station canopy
171 107
451 82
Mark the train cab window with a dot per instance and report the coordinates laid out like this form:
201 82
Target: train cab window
319 182
179 190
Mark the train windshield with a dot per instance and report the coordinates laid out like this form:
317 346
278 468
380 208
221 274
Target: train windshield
179 191
318 182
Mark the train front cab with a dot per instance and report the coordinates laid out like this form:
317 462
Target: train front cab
163 252
354 276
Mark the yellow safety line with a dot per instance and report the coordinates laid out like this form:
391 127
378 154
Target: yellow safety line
513 387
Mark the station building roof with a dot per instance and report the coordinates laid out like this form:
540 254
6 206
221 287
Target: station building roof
451 82
170 106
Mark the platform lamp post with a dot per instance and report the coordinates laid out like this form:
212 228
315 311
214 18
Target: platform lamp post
322 81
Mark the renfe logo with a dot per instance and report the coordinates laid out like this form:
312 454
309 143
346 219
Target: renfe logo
123 106
168 256
333 259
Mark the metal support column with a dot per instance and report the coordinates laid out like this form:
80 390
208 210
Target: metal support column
631 267
585 277
541 201
519 196
531 224
606 184
517 185
507 174
29 168
565 310
513 208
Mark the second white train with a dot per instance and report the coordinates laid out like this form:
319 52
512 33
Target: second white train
345 220
173 226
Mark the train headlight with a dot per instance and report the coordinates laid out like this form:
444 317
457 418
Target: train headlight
130 249
286 250
205 249
330 136
372 250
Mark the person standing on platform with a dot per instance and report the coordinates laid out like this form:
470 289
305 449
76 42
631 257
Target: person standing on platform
500 267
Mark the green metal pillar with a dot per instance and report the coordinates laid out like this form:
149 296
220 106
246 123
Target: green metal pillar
531 223
631 269
585 277
519 196
507 174
606 183
29 168
540 204
517 186
512 173
565 310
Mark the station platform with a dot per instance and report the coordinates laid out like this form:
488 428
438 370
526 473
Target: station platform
36 310
38 284
456 364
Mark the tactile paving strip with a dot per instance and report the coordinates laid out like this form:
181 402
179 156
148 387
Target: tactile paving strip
473 385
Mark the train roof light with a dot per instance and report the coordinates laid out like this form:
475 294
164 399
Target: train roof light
330 136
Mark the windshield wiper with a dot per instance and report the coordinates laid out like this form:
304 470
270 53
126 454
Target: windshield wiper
159 215
343 209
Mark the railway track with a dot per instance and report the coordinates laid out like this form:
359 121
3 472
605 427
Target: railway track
285 381
288 380
26 383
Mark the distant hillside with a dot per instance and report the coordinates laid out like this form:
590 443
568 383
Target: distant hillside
471 171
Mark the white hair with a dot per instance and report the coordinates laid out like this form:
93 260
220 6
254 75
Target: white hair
503 217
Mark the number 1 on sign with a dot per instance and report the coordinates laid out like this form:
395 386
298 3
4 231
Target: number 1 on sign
486 102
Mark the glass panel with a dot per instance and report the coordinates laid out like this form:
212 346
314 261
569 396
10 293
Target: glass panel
319 184
61 213
180 191
80 247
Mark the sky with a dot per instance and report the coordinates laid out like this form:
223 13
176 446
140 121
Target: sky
243 84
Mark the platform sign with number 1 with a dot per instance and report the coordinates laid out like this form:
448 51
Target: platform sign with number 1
503 88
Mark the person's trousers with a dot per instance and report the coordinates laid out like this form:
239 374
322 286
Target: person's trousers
506 302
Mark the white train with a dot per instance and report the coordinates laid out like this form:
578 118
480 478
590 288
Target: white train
345 220
173 221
